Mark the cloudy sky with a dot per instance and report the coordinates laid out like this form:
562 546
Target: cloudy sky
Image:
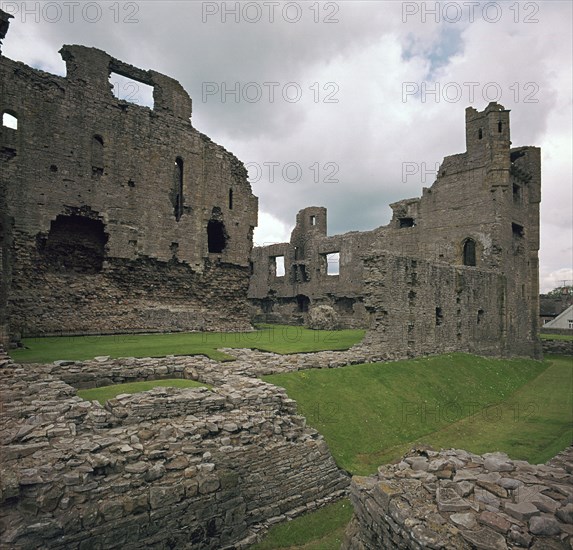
327 103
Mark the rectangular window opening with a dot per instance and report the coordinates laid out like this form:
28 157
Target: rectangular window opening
9 120
130 90
279 262
517 230
406 222
313 220
333 263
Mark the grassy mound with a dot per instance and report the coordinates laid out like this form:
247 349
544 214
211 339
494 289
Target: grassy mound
370 414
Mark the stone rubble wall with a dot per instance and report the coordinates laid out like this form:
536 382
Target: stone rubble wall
169 468
561 347
454 499
103 371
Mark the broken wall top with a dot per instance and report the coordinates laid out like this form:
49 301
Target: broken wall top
91 66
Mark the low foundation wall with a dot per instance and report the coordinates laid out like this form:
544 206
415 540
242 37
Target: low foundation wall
561 347
168 468
458 500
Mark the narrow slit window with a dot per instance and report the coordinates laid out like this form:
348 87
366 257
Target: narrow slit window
9 120
313 220
439 316
516 193
97 155
499 126
469 253
230 199
480 133
178 189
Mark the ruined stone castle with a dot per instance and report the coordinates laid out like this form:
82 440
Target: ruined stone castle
115 217
454 269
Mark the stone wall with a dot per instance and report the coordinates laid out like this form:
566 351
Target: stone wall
169 468
115 216
421 307
453 499
561 347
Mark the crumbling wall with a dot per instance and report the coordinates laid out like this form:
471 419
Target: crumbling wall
313 274
116 216
166 468
453 499
480 215
422 307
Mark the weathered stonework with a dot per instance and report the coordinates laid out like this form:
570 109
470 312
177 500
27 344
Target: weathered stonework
561 347
115 217
454 269
453 499
167 468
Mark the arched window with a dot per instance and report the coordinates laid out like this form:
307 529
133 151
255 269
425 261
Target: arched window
97 155
9 120
178 189
469 253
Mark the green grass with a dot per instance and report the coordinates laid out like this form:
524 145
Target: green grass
109 392
565 337
319 530
370 414
276 338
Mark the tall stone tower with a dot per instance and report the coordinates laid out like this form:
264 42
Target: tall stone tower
115 216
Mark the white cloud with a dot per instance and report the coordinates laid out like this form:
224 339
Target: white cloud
270 230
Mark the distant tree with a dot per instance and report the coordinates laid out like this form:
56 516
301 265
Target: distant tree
561 290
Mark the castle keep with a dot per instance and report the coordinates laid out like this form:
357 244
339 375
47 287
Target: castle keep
115 216
456 269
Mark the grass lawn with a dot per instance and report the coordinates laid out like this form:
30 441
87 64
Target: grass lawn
370 414
276 338
319 530
109 392
566 337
